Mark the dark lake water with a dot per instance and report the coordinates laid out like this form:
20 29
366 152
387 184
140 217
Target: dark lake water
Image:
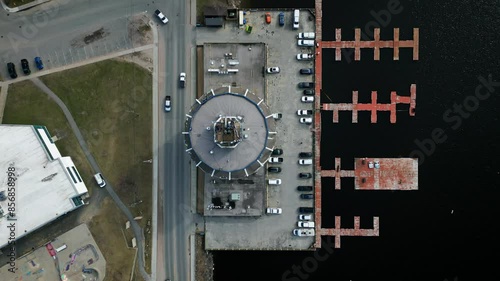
420 238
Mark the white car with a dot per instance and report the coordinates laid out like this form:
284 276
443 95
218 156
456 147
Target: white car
274 69
182 79
161 16
276 160
303 232
306 43
305 161
274 181
305 56
306 35
305 217
304 112
307 99
305 224
274 211
168 104
306 120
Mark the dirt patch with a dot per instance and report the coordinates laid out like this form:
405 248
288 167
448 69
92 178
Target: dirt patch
204 261
143 59
89 38
139 30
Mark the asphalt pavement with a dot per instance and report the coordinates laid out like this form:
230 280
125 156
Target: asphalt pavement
50 29
176 43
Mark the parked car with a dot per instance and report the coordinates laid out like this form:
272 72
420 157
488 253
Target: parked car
306 210
305 56
168 104
306 84
274 181
161 16
306 120
305 175
306 35
307 196
305 224
305 217
306 71
306 43
25 66
304 188
305 154
305 161
296 18
277 151
308 92
274 69
182 79
38 63
274 211
281 19
100 180
275 160
274 169
307 99
12 70
277 116
304 232
304 112
268 18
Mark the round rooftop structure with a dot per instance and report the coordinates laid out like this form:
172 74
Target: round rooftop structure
229 132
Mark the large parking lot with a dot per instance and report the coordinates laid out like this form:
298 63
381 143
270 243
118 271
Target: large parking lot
282 94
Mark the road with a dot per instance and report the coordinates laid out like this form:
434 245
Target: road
174 170
54 25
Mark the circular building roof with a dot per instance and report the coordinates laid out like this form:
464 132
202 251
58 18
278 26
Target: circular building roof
228 132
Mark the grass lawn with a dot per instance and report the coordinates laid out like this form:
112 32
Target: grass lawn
17 3
26 104
111 103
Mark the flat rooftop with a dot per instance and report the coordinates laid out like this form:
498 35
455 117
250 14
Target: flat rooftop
44 185
73 250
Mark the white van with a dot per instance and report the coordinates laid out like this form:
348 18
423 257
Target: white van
306 43
100 180
296 19
306 35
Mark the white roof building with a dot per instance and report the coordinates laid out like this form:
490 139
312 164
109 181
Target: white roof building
34 176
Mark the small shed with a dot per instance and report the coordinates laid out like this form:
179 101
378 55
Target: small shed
214 22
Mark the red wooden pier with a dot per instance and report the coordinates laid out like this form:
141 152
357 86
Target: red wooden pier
369 173
373 106
376 44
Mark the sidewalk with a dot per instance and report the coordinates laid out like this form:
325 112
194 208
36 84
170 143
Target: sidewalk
3 98
23 7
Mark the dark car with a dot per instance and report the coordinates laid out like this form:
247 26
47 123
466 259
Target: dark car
277 151
306 210
306 85
308 92
306 71
305 175
281 18
25 66
307 196
304 188
38 63
274 169
305 154
12 70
